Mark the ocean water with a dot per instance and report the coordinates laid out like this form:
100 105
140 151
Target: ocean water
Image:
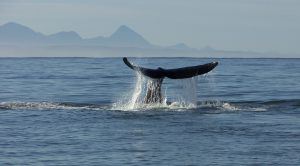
87 111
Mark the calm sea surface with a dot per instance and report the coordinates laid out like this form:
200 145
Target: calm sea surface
73 111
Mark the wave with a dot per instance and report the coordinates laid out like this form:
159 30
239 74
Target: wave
213 106
49 106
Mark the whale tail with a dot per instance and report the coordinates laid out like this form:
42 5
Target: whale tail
178 73
153 94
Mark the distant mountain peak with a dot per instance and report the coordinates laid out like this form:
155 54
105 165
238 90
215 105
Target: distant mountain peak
68 34
14 32
126 36
208 48
11 24
124 30
15 26
65 37
181 46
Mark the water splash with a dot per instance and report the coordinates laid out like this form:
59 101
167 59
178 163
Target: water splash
136 95
136 102
212 106
179 95
183 95
19 105
219 105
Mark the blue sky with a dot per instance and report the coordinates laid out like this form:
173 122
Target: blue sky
256 25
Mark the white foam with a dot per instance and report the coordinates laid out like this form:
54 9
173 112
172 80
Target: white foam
230 107
219 105
185 97
259 109
43 106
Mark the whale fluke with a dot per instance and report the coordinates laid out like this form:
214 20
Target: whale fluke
179 73
153 94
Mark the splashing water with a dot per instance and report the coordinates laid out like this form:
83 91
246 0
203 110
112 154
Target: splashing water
136 100
18 105
184 95
136 95
180 94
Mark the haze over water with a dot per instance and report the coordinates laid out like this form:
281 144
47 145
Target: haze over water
62 111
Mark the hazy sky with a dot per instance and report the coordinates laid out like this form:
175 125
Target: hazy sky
256 25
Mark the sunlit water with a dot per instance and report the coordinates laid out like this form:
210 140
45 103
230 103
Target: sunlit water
89 111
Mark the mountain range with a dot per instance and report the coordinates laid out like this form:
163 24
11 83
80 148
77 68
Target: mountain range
14 33
20 40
